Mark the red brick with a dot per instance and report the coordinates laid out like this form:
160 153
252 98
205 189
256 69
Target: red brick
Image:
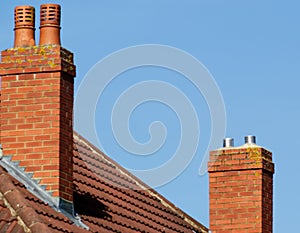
34 95
51 180
25 114
8 127
26 101
51 155
24 89
9 115
33 168
34 156
9 139
34 82
34 119
24 126
40 161
34 144
42 125
50 167
10 152
18 157
8 103
26 75
9 91
26 163
26 150
17 96
14 145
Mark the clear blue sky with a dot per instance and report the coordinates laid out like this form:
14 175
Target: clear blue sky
251 49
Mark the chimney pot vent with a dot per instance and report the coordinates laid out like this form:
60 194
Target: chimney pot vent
50 15
228 142
250 139
24 26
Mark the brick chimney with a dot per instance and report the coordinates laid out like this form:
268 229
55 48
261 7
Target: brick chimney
36 105
241 188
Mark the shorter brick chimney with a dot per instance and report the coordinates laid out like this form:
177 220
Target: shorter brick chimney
36 127
241 188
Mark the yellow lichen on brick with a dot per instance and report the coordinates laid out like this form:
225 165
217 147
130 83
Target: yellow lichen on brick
254 154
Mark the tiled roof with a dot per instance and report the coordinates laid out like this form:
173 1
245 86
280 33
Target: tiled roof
8 223
106 197
21 211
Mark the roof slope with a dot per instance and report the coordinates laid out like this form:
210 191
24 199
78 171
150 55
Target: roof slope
106 196
125 204
21 211
8 223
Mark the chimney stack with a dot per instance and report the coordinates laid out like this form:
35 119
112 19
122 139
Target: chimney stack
24 26
36 108
50 24
241 189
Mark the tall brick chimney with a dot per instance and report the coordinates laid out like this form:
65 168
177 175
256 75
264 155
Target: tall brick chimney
36 105
241 188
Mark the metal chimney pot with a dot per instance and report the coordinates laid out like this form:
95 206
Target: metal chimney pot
250 139
228 142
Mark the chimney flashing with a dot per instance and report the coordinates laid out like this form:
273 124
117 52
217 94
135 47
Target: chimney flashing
58 204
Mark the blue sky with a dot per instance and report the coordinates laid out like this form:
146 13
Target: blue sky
251 48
